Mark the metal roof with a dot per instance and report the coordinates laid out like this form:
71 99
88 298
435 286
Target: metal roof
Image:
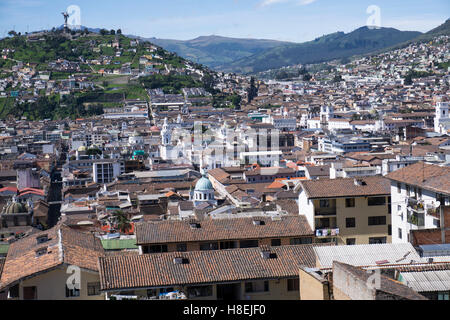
427 281
367 254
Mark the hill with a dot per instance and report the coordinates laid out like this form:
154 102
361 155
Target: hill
51 75
333 46
214 51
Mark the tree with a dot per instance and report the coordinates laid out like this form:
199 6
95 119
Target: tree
103 32
236 101
337 78
12 33
252 91
121 221
112 32
119 31
408 80
307 77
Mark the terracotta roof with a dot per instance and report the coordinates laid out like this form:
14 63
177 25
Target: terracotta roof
65 246
426 176
345 187
212 266
221 229
289 205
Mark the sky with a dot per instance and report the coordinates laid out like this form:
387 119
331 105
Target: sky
285 20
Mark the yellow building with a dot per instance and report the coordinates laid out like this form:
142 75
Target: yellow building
346 210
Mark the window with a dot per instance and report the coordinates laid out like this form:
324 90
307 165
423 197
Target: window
389 230
275 242
152 293
209 246
437 223
376 201
14 291
72 292
181 247
377 240
305 240
324 203
349 222
93 288
227 245
41 239
349 202
293 284
156 249
400 235
41 252
399 187
248 243
200 291
444 295
166 290
377 221
29 293
350 241
257 286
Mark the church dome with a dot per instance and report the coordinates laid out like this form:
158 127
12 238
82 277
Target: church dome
15 207
203 184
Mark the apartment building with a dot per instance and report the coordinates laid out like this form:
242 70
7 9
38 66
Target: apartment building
347 210
420 192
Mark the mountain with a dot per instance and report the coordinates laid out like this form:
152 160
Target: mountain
333 46
213 51
443 29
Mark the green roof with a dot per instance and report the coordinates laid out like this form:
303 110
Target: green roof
4 248
119 244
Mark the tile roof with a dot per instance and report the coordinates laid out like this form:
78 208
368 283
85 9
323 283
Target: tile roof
221 229
426 176
212 266
65 246
345 187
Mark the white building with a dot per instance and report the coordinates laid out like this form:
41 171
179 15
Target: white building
442 118
418 194
105 172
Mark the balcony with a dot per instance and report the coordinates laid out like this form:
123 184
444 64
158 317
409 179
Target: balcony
325 212
327 232
416 219
415 205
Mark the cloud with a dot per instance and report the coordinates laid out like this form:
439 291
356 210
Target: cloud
266 3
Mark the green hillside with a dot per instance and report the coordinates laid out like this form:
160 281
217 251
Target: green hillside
214 51
37 53
332 46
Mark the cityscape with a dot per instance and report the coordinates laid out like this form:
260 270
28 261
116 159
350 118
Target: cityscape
224 168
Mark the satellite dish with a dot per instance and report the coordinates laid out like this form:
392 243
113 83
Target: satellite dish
438 203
